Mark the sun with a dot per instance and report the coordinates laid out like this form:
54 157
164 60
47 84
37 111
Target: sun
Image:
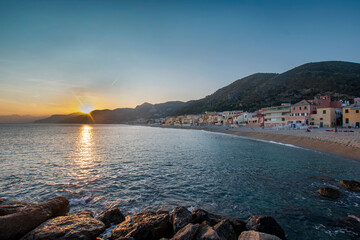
86 108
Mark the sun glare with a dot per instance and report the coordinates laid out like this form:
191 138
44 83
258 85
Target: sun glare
86 108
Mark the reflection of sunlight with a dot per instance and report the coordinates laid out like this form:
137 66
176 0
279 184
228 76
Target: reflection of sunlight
84 161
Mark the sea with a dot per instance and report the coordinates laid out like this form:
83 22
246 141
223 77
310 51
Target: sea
138 168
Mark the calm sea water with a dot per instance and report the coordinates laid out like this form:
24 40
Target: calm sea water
137 168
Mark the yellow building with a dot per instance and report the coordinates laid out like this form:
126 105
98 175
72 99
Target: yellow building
324 117
351 114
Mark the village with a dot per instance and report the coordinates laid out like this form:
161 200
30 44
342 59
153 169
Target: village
316 113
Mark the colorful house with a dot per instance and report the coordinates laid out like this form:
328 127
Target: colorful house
351 114
278 116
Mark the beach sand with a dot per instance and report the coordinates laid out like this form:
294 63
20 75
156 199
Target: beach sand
346 144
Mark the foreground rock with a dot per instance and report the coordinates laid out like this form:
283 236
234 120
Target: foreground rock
351 223
206 232
75 226
16 225
265 224
13 207
329 192
252 235
351 185
111 216
144 226
180 218
225 230
199 216
186 233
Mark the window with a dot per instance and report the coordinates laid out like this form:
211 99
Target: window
305 107
321 118
294 108
346 110
324 111
357 111
312 119
346 120
299 108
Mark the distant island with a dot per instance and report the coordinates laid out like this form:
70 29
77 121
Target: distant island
340 80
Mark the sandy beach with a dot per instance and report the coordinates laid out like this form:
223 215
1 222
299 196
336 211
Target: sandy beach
346 144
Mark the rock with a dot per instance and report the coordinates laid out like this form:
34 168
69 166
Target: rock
265 224
225 230
13 207
206 232
329 192
112 215
146 225
16 225
2 200
238 225
75 226
351 185
200 216
352 223
180 218
252 235
186 233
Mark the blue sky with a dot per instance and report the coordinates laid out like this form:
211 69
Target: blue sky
55 55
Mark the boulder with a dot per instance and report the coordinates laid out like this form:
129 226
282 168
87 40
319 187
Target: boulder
200 215
111 216
180 218
238 225
351 185
329 192
206 232
2 200
351 222
265 224
74 226
13 207
148 225
252 235
16 225
225 230
186 233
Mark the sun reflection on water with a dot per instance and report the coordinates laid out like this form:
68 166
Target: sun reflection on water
84 163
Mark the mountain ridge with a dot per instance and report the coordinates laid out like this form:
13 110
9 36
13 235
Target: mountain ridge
336 78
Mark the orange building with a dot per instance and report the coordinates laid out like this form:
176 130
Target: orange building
351 114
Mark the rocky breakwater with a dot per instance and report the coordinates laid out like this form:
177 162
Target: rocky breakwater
49 220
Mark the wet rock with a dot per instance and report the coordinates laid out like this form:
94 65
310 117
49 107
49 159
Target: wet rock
13 207
111 216
329 192
75 226
200 215
352 223
351 185
2 200
225 230
146 225
238 225
265 224
16 225
206 232
186 233
252 235
180 218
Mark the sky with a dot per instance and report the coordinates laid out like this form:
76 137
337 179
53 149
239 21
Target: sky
58 56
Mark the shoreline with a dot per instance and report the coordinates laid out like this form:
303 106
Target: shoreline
320 145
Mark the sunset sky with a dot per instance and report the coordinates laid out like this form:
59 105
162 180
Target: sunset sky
55 55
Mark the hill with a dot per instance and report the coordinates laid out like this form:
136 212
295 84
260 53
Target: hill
338 79
341 80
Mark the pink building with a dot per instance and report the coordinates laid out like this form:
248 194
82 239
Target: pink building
301 111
